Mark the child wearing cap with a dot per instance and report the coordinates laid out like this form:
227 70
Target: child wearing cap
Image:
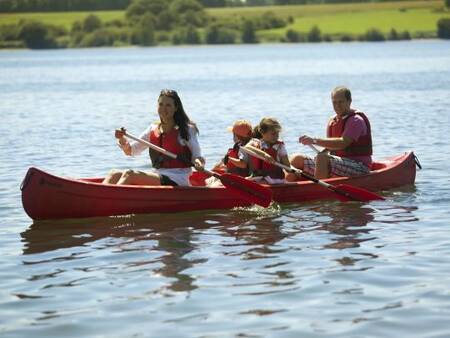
233 162
266 138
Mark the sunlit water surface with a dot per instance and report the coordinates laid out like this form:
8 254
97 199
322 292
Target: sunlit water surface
318 269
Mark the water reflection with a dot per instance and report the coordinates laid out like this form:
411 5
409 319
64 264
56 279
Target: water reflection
170 235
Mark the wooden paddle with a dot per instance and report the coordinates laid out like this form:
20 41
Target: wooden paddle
343 192
240 186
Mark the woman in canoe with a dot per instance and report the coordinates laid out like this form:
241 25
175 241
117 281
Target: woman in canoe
176 133
267 143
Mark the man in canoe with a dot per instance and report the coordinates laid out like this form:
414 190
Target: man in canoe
348 145
175 133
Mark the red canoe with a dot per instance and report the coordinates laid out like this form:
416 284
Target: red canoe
45 196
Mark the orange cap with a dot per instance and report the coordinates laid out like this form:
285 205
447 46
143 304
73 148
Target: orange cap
241 128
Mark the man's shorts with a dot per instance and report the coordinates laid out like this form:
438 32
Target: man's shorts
339 166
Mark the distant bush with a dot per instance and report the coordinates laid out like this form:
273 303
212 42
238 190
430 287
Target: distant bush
162 37
374 34
9 32
327 38
144 32
36 35
188 36
314 35
164 21
405 35
393 35
447 3
346 38
248 32
269 20
140 7
443 28
219 35
91 23
99 38
294 36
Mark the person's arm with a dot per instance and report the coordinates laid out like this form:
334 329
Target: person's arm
283 156
194 147
332 143
238 162
122 141
261 153
138 147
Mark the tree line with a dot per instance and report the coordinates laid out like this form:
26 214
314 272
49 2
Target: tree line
10 6
173 22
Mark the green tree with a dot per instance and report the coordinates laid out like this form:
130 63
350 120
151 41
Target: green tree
374 34
164 21
189 36
219 35
447 3
393 35
443 28
188 12
36 35
181 6
213 3
139 7
270 20
144 30
91 23
293 36
314 35
248 32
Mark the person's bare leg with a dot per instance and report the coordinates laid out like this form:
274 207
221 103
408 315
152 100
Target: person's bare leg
112 177
139 178
322 166
297 161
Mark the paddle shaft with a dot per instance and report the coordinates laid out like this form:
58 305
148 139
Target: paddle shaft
289 169
247 189
164 152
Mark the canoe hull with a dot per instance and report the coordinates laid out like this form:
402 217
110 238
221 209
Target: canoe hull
46 196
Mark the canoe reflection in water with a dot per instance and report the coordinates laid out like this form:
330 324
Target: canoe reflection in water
170 237
170 244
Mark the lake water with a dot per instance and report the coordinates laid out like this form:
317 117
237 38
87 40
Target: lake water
378 269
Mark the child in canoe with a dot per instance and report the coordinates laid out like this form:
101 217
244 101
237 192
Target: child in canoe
267 143
232 162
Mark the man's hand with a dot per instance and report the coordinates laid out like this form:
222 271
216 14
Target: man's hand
306 140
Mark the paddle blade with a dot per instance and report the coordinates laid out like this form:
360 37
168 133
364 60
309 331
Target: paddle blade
246 189
352 193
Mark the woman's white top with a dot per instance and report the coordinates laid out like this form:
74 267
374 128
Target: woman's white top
179 175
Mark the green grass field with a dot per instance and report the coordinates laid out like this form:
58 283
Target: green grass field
417 17
65 19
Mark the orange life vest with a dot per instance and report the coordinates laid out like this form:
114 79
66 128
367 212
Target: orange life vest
360 147
263 168
169 141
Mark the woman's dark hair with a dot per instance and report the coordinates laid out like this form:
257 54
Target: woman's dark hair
181 119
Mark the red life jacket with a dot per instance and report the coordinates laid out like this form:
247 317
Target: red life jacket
231 168
169 142
263 168
360 147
